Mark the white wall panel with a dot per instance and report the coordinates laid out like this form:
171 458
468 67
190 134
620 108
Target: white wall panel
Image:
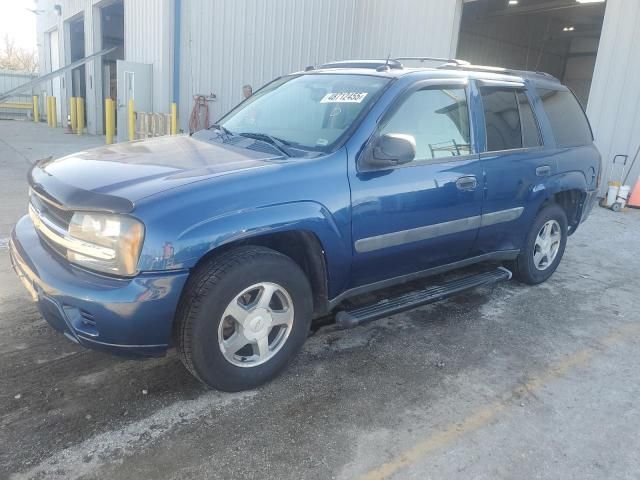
614 99
228 43
148 38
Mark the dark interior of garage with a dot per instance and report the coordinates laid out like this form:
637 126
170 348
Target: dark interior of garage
559 37
76 44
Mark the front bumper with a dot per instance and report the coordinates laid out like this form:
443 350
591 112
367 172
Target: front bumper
125 316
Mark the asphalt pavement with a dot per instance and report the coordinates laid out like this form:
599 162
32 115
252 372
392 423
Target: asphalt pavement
504 382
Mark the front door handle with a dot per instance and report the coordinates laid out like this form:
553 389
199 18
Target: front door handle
467 183
543 171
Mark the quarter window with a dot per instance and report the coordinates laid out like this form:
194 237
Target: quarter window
438 119
567 119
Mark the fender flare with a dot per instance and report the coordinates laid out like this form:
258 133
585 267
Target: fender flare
562 182
202 238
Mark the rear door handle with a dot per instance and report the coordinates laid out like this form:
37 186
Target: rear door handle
543 171
467 183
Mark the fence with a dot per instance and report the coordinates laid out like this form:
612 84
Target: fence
20 105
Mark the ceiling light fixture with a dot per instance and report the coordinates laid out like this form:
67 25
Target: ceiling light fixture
513 2
568 29
590 1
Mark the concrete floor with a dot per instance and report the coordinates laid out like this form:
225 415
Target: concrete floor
508 382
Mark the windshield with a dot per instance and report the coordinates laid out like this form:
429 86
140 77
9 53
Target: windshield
311 112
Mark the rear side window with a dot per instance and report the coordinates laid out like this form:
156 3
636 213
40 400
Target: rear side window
502 118
568 122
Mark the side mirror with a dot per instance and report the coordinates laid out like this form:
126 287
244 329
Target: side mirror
391 150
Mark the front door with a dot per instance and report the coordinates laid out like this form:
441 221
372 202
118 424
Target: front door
133 82
425 213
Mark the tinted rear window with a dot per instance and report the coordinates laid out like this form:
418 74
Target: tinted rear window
502 118
568 121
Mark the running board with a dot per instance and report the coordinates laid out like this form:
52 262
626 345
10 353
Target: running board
417 298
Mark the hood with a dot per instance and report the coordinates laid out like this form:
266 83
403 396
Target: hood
113 177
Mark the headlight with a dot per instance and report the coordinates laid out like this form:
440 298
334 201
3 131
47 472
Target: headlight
117 241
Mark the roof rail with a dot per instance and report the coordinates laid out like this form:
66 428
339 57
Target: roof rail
386 64
490 69
454 61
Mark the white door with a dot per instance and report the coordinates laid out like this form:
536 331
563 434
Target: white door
54 59
134 82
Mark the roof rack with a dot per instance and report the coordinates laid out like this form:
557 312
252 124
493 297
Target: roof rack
377 64
447 63
490 69
386 64
454 61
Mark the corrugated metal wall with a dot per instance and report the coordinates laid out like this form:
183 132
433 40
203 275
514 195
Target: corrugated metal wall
148 34
148 39
49 20
10 79
614 99
226 44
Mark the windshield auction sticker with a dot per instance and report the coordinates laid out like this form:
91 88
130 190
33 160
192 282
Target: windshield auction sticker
344 97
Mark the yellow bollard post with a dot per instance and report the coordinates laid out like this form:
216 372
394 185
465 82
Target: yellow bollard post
132 121
80 115
73 101
54 113
48 105
36 109
110 120
174 118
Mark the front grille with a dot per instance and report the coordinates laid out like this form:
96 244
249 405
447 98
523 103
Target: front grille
52 224
42 210
51 212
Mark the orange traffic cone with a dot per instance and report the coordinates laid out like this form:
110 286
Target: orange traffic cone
634 198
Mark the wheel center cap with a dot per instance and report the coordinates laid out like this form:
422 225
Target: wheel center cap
257 323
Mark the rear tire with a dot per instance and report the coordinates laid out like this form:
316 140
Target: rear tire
242 316
543 248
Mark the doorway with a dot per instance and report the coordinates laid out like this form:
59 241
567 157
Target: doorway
75 28
559 37
54 63
111 35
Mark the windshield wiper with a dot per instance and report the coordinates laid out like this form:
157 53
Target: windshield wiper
220 128
280 144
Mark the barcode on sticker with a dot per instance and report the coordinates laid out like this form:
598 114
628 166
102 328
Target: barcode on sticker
344 97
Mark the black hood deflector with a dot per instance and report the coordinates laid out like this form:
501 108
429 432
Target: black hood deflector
67 197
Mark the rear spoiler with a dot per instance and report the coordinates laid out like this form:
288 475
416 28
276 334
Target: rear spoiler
67 197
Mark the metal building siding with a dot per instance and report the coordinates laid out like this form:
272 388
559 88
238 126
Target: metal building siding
614 98
10 79
148 38
406 27
226 44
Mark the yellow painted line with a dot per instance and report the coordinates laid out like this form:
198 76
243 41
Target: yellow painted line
489 412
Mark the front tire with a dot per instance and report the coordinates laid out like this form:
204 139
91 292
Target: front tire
242 316
543 248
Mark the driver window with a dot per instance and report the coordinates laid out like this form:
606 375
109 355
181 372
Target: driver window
438 119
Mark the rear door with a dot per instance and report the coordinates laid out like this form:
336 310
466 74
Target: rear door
425 213
514 161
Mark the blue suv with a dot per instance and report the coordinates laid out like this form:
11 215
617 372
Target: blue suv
323 185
